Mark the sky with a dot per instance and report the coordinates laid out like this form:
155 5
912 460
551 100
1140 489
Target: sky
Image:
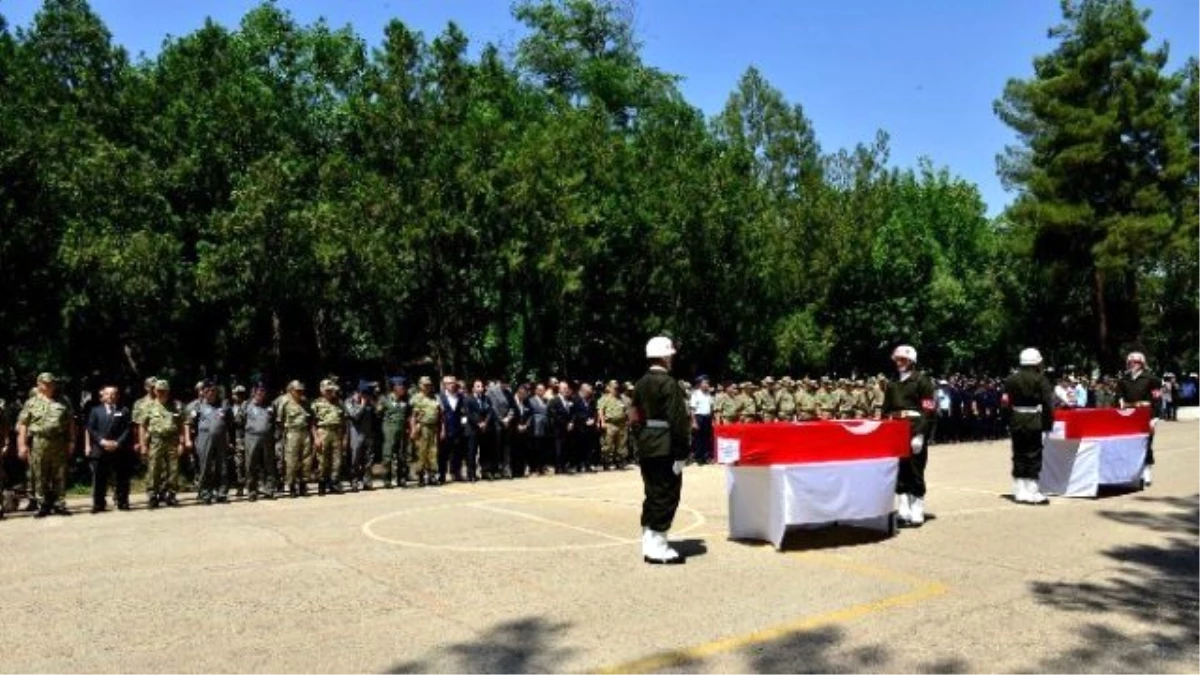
925 71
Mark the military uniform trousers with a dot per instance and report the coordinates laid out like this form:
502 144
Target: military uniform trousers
395 454
48 465
612 449
702 439
329 454
162 476
910 479
663 489
212 452
298 450
425 450
235 461
260 462
1026 454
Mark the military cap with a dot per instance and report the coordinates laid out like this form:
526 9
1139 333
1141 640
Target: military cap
628 385
149 382
239 389
162 385
425 380
768 380
399 381
700 379
295 385
46 378
328 385
746 385
614 384
786 380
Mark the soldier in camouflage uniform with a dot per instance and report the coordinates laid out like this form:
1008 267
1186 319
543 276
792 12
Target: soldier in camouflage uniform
747 407
329 440
765 401
139 413
785 400
296 420
280 437
827 401
395 409
47 420
806 401
875 396
614 425
237 455
729 408
162 445
424 429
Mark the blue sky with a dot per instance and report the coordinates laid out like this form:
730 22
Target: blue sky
926 71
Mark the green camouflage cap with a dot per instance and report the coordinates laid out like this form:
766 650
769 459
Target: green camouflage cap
46 378
425 380
162 385
149 382
295 385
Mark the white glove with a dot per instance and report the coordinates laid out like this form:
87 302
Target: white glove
677 467
1153 423
917 444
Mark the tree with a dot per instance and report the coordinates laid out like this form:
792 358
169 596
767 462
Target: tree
1099 151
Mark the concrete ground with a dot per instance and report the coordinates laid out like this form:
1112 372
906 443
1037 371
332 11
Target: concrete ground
545 575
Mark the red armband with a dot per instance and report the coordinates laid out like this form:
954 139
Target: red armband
928 405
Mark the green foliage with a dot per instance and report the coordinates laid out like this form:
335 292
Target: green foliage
280 198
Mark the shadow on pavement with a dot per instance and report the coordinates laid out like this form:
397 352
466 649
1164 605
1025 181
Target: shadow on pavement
526 645
1156 585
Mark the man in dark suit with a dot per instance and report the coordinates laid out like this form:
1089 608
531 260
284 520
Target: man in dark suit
109 449
561 421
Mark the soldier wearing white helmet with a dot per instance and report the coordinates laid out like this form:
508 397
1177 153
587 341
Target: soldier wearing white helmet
1028 400
662 426
910 397
1139 388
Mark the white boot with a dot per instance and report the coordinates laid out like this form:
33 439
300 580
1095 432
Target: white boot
903 508
1033 494
1147 476
648 550
918 511
1020 494
669 554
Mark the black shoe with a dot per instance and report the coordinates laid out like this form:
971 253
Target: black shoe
321 489
421 481
269 495
98 509
32 506
253 497
42 513
60 510
222 498
171 500
207 499
241 492
354 486
154 502
123 506
367 487
293 492
335 487
304 489
387 485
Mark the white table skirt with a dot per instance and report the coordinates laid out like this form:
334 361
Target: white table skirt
1078 467
765 500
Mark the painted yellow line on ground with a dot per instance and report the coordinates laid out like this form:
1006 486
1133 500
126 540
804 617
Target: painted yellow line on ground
679 657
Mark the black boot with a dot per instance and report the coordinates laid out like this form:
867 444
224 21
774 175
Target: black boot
335 487
171 500
293 491
46 507
32 505
153 501
303 489
321 488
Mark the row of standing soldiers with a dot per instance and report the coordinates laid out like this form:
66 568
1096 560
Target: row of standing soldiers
801 400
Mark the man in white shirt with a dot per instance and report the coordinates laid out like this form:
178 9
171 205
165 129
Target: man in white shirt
701 405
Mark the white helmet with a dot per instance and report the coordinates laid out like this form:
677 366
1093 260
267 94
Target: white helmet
905 352
1136 356
1031 357
660 348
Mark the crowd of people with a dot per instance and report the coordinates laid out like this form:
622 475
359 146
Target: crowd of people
252 443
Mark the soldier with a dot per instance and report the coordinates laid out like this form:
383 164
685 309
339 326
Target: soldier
49 422
329 439
875 396
425 424
614 421
662 424
163 442
280 438
729 410
806 401
394 411
910 397
296 421
785 400
764 400
1138 388
858 400
238 454
1029 401
627 397
747 408
138 413
212 425
361 413
841 395
827 401
257 420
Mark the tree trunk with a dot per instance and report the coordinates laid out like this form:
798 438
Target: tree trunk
1100 312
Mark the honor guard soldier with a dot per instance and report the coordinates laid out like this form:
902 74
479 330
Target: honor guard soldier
663 429
910 397
1028 400
1138 388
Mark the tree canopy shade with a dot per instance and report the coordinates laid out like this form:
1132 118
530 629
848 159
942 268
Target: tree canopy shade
292 199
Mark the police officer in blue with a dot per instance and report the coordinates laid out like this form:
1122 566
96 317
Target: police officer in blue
212 422
360 412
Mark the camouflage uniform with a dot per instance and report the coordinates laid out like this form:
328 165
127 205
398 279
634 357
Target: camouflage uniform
786 401
331 429
729 409
296 421
765 401
747 407
395 411
425 415
48 423
615 416
164 434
